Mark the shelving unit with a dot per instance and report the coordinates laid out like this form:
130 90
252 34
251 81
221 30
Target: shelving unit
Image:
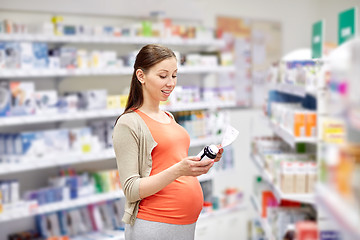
342 68
75 158
295 90
110 40
302 198
99 113
341 212
33 73
288 137
52 161
263 222
82 201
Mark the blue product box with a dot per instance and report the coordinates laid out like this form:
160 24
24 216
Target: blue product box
330 235
12 55
28 146
72 182
9 148
2 55
276 96
5 98
17 146
2 148
40 53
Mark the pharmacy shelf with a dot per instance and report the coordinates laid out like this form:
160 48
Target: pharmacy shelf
264 223
296 90
259 162
59 117
111 39
223 211
340 211
296 197
99 113
76 158
279 195
56 161
37 73
288 137
53 207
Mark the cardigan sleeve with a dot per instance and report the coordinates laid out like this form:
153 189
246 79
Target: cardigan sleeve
126 146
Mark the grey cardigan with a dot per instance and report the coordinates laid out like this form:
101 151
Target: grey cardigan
133 144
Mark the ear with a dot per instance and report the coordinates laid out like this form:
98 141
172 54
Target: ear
140 76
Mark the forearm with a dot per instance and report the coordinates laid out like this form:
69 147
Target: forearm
152 184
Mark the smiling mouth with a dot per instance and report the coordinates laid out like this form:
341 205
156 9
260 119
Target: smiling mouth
166 92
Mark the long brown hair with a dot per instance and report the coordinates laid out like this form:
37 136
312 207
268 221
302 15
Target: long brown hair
148 56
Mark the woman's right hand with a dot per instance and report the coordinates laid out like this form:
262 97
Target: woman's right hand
192 166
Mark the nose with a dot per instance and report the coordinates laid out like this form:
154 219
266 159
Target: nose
171 82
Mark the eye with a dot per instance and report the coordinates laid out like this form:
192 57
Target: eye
163 77
174 76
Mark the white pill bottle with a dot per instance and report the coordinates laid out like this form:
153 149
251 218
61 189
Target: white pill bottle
208 152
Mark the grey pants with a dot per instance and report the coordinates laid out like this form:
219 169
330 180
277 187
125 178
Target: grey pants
147 230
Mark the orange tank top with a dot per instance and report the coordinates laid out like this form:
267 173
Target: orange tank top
181 201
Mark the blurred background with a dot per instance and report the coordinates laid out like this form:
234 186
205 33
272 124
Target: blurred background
285 74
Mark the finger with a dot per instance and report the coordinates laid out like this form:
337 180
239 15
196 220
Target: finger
202 170
193 158
205 162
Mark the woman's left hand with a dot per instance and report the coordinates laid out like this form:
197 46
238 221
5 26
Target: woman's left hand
218 156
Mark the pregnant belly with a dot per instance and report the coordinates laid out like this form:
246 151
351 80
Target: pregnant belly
179 202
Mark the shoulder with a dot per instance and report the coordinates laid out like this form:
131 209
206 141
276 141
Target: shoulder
131 120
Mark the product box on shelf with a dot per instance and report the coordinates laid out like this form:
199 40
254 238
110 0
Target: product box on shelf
22 98
103 131
48 225
81 140
307 230
98 128
68 58
68 103
46 101
5 98
96 99
56 141
113 102
2 55
12 55
53 59
26 55
43 143
40 55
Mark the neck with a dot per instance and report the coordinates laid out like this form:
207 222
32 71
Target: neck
150 107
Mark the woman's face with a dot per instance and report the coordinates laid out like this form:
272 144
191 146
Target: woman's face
160 80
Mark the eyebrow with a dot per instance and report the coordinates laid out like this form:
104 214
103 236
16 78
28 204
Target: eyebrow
164 70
